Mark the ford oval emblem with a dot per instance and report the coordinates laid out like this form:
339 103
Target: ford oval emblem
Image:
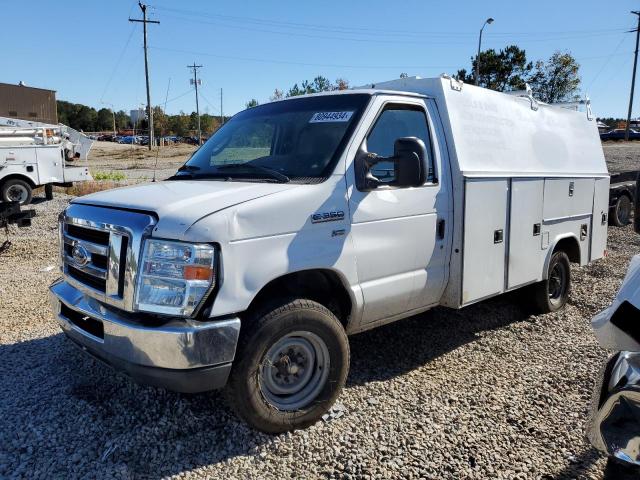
80 255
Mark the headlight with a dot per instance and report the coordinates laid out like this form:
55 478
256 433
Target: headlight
174 276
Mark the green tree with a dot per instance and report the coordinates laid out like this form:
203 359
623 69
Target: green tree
318 84
557 79
104 121
160 122
505 70
277 95
179 124
251 103
122 119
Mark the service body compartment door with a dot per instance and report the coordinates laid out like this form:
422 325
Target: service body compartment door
599 219
485 219
525 227
50 164
567 197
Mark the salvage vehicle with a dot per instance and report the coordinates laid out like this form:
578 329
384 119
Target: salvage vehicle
34 154
308 219
614 418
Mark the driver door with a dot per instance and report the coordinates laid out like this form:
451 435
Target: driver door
399 233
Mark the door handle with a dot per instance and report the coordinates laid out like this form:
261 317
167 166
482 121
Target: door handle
440 228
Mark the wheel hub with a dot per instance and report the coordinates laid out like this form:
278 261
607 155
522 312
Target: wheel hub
294 371
17 193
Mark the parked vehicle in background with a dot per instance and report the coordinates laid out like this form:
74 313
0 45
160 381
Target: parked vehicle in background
307 219
622 197
619 134
129 140
32 157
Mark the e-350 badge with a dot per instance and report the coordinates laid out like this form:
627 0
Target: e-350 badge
327 217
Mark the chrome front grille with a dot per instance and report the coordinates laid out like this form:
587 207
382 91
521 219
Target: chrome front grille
99 250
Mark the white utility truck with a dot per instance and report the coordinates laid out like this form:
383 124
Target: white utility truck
311 218
34 154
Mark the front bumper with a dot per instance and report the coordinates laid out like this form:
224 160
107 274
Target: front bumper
183 355
614 418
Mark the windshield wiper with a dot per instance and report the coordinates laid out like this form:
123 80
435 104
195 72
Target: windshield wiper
281 177
188 168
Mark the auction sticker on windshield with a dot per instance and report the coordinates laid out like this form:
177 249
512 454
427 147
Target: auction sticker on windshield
330 117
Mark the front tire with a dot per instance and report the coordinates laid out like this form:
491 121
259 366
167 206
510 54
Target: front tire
552 294
291 364
16 190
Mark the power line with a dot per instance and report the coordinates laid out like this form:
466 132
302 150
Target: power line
379 38
363 30
606 63
286 62
115 68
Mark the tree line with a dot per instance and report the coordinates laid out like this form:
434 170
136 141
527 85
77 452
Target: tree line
88 119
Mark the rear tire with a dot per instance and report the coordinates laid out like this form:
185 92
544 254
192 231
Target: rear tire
291 364
16 190
48 191
552 294
621 211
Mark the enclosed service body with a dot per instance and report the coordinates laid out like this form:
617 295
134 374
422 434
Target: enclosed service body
525 176
307 219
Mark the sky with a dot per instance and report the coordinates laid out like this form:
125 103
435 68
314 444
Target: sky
90 53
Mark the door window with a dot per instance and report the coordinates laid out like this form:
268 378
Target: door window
397 121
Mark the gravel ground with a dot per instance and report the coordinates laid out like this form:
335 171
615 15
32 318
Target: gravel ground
486 392
621 156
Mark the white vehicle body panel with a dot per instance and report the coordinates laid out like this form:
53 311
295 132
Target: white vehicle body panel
500 165
525 245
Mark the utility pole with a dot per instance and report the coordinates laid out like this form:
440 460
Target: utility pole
633 78
144 22
221 113
195 81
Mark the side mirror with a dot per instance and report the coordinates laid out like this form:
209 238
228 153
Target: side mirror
408 165
409 154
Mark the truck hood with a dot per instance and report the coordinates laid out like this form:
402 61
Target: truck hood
181 203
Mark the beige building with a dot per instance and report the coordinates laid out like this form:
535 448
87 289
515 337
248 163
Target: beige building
28 103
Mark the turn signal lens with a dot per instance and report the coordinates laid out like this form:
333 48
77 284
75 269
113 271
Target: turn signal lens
196 272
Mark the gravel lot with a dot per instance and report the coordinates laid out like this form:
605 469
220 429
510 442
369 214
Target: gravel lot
486 392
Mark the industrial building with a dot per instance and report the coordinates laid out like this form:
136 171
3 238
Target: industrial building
28 103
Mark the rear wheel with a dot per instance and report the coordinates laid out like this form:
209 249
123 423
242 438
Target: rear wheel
16 190
291 364
552 294
621 214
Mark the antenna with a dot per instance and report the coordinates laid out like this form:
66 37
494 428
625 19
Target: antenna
164 110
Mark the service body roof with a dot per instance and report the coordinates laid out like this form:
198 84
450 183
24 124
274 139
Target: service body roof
490 133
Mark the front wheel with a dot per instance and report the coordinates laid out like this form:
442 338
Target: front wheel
552 294
16 190
291 364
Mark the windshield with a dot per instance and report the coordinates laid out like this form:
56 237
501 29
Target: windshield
298 139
